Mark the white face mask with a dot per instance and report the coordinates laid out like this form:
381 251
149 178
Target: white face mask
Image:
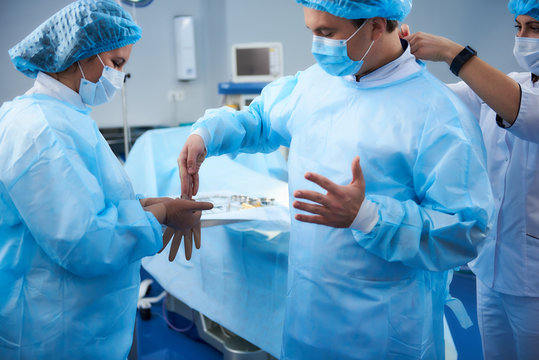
101 92
526 52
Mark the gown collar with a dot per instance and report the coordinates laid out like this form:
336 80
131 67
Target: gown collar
398 69
46 85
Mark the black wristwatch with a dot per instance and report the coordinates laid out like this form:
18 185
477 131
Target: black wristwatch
466 54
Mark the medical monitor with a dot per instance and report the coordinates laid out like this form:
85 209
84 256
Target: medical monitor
257 62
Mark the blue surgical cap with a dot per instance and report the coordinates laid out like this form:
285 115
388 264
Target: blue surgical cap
362 9
524 7
78 31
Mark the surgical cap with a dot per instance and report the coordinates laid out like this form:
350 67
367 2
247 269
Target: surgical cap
524 7
362 9
78 31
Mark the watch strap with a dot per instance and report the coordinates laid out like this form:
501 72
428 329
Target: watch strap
466 54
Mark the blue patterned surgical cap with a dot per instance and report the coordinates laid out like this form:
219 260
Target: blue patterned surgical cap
78 31
524 7
362 9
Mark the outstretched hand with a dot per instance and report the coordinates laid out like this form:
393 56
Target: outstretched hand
339 206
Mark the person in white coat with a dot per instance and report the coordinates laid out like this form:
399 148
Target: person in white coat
507 107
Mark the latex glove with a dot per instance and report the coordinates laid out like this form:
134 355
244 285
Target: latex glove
339 206
191 157
189 235
182 217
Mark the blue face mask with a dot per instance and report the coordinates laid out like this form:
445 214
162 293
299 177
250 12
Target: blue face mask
101 92
526 52
332 55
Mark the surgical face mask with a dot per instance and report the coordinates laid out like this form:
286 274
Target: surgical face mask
332 55
526 52
101 92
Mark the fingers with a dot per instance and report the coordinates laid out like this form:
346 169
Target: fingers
167 235
404 31
188 243
314 219
187 183
175 245
321 181
194 188
357 173
201 205
196 235
193 157
312 196
185 178
312 208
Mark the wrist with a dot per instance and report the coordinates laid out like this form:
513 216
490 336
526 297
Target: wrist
159 211
452 52
462 58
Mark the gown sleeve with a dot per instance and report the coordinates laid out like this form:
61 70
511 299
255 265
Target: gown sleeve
447 222
61 200
262 127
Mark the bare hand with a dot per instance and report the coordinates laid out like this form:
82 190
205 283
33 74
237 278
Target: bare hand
430 47
339 206
404 31
191 157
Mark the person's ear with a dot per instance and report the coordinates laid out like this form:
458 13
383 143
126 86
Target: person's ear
379 25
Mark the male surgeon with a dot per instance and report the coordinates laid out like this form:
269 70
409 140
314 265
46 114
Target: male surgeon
387 180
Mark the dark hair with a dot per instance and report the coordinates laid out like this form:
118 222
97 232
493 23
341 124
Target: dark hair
390 25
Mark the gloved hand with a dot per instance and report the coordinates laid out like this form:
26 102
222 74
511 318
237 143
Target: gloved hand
189 234
182 218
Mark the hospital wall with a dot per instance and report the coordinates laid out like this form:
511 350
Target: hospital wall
486 25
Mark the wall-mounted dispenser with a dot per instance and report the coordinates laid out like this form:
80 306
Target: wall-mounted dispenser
184 31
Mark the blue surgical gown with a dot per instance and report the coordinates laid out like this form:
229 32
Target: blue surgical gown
381 294
72 235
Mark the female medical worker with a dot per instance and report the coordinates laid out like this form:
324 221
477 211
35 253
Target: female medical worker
507 107
370 249
72 232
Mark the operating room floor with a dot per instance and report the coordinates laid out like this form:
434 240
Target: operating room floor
467 341
157 341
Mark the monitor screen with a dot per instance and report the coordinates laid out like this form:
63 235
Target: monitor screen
254 61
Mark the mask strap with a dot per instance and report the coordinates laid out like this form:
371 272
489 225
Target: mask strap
99 57
355 32
369 49
82 72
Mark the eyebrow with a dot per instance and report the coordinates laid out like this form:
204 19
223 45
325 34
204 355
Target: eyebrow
321 28
531 22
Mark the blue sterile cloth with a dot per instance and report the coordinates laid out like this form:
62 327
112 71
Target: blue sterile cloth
238 277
